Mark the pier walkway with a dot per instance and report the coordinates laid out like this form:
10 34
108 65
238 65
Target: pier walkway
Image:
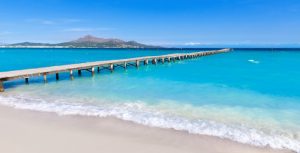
91 66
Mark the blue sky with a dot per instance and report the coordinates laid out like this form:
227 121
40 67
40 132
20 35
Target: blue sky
159 22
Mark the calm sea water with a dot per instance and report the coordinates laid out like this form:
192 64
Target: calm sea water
249 96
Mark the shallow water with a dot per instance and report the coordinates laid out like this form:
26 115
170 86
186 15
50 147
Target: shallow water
251 97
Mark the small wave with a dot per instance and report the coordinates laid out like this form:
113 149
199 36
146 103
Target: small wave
253 61
140 113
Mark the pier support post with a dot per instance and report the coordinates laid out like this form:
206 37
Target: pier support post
154 61
98 69
79 72
111 67
137 63
1 87
45 77
57 76
163 60
93 71
146 62
71 75
169 59
26 80
125 65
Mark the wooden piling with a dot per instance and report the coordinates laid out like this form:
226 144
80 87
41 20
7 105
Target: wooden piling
146 62
154 61
1 87
169 59
27 80
45 77
163 60
57 76
111 67
79 72
98 69
71 75
137 63
125 65
93 71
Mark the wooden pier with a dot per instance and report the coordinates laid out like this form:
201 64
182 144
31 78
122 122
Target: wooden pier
92 66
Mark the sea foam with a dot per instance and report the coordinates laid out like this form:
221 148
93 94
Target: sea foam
253 61
140 113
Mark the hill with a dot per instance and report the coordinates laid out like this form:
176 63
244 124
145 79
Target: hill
86 42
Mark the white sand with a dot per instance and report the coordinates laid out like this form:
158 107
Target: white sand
24 131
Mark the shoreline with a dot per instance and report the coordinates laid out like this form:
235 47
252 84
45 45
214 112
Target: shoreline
35 132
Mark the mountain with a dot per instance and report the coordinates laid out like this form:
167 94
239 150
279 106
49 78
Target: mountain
94 42
87 42
90 38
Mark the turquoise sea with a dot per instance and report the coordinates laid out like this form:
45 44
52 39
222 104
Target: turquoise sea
248 96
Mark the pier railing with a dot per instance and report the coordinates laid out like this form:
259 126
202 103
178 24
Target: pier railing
92 66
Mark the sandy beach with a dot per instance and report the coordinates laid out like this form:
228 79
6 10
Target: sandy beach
25 131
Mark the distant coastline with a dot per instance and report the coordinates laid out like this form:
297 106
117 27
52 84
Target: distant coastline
87 41
153 48
92 42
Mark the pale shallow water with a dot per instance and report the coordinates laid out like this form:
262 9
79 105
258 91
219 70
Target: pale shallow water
250 97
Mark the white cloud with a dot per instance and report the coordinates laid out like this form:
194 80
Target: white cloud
194 43
47 22
40 21
70 20
78 30
4 33
86 29
104 29
51 22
